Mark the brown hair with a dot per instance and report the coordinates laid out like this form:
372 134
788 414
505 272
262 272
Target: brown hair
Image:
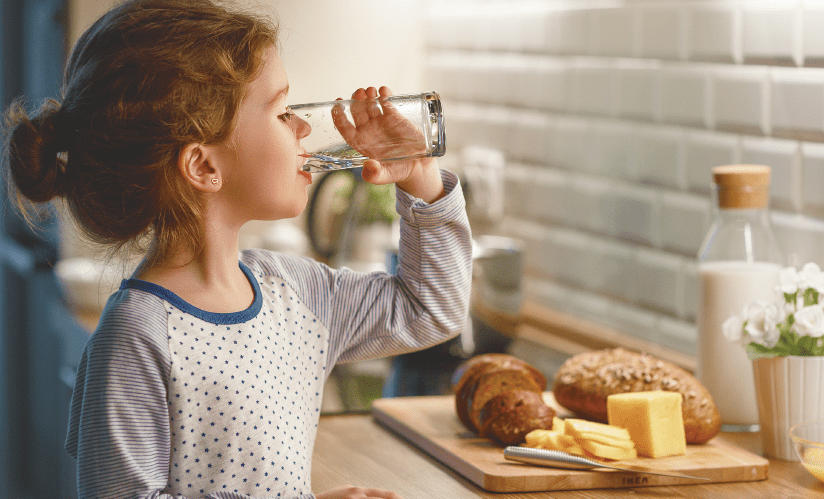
145 80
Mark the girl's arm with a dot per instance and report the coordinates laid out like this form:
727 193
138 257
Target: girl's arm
375 315
119 422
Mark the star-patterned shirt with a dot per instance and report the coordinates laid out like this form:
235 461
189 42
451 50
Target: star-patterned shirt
174 401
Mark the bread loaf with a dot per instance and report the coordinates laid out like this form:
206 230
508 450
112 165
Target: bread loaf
496 381
499 396
481 363
584 381
504 403
511 427
465 381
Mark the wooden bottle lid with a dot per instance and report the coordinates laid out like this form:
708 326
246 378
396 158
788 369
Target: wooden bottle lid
742 186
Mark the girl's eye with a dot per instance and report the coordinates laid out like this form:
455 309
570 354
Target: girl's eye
287 116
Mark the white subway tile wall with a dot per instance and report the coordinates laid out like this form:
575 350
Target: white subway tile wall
797 102
812 157
771 32
685 94
741 99
663 31
812 36
715 33
611 115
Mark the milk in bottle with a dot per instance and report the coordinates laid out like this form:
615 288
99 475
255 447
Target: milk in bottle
738 263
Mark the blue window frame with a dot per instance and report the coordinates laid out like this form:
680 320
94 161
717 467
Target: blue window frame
39 340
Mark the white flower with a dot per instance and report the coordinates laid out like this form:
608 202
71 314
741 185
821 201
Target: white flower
799 300
817 282
762 319
759 322
788 281
790 308
809 321
771 337
809 272
732 328
811 277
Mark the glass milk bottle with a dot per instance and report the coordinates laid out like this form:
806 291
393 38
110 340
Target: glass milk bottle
739 262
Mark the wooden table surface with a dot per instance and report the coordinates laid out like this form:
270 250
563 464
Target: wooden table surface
355 449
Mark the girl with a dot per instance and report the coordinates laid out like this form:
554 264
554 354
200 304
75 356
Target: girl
204 376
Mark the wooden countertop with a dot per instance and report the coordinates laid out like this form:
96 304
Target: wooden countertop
357 450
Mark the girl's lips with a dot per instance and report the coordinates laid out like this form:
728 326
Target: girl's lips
304 157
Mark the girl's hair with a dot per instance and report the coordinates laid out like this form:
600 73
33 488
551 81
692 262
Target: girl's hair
146 79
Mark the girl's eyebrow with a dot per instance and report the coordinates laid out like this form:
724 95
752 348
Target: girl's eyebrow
281 93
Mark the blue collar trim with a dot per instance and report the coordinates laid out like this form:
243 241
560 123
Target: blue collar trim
213 317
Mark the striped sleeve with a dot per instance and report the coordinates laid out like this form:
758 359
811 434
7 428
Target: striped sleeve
376 314
119 421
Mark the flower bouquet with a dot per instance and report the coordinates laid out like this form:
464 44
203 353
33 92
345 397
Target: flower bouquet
793 324
783 338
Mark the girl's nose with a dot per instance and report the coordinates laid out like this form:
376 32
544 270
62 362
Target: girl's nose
302 127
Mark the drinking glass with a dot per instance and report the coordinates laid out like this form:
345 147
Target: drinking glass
345 133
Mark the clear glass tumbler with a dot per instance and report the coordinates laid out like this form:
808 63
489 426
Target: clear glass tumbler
345 133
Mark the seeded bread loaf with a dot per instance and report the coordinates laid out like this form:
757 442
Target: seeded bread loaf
499 396
584 381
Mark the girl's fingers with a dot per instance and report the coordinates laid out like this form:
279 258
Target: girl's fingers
342 123
372 107
375 173
358 108
390 110
351 492
382 494
392 172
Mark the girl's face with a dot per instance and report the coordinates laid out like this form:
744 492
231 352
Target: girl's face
262 173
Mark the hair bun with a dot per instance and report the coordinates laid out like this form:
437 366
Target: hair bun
62 131
34 145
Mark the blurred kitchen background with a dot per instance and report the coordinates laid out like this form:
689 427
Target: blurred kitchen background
584 131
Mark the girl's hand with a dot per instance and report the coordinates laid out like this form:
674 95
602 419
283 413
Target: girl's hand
352 492
380 131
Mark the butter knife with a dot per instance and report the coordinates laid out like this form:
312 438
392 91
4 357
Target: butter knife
558 459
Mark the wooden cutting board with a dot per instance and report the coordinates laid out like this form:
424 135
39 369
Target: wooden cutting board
431 424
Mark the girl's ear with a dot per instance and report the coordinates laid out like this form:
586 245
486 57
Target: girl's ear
195 166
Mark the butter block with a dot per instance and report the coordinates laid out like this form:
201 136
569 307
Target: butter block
654 421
